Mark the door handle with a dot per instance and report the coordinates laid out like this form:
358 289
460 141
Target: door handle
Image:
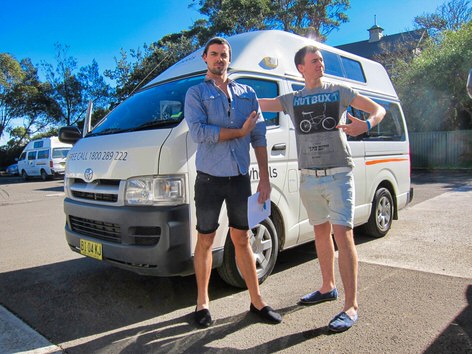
279 147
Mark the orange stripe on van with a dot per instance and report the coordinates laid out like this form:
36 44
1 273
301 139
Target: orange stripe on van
375 162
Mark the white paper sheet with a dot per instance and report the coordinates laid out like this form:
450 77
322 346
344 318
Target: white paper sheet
257 212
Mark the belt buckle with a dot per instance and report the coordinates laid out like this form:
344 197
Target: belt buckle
320 173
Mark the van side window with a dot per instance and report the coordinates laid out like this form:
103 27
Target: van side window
297 87
38 144
390 128
43 154
353 69
341 66
265 89
332 64
31 155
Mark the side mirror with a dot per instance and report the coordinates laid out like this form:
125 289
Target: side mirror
469 84
69 135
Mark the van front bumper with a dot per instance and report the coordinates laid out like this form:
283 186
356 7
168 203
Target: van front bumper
145 240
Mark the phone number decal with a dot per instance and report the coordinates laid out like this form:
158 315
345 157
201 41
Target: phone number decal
99 156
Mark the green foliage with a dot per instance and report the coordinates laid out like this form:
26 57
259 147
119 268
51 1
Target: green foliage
236 16
432 86
71 90
11 75
316 18
448 16
137 67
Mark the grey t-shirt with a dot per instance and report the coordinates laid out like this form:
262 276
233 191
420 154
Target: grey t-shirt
315 115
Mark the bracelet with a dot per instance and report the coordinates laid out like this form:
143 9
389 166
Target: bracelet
368 125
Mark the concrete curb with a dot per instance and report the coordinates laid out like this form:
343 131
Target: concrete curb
17 337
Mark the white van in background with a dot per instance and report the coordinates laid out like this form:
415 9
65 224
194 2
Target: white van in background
129 182
45 158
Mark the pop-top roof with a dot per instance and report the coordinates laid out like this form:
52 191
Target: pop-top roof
249 50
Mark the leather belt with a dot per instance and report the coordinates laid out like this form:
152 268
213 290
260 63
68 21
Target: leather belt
325 171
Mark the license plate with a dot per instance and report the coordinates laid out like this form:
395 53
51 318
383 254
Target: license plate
91 249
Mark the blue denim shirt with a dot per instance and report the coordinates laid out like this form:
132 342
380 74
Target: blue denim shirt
206 110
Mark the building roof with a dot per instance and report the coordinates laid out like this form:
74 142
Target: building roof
388 43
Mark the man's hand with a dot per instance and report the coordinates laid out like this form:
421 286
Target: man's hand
250 123
264 190
356 127
248 126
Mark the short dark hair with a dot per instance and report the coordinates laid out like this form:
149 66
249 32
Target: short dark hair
217 40
300 55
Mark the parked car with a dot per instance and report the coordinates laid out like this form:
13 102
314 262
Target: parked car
12 170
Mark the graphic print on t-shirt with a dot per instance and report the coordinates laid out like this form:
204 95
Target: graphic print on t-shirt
316 113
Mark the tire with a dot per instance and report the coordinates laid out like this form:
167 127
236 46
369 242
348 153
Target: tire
44 175
24 175
265 245
381 215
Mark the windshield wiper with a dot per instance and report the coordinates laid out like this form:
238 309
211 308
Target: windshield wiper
106 131
154 124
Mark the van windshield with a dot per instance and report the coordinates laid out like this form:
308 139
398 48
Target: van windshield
153 108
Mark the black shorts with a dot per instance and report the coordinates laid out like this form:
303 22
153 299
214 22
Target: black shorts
211 191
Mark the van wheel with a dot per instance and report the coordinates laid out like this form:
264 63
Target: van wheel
24 175
381 216
265 246
44 175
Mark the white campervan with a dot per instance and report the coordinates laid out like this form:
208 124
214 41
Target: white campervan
129 181
45 158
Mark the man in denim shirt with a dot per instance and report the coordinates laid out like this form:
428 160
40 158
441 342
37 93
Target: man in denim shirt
224 119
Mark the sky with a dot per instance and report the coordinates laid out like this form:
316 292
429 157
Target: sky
99 29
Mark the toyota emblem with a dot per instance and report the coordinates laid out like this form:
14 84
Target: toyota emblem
88 175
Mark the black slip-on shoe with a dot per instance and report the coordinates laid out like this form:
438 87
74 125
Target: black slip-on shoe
203 318
267 314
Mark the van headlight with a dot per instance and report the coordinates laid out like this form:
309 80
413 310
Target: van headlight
151 190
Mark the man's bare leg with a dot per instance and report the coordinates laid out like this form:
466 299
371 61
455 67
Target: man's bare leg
348 266
325 253
247 265
202 261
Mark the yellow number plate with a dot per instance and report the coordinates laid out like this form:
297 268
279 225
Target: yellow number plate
91 249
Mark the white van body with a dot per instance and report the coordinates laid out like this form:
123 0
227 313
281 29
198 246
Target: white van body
45 158
130 182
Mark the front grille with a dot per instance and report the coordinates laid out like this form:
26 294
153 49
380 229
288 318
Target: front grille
100 190
102 197
97 229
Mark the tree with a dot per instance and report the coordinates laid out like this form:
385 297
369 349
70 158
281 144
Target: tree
316 18
72 91
448 16
10 75
313 18
432 86
94 87
236 16
23 96
32 100
137 67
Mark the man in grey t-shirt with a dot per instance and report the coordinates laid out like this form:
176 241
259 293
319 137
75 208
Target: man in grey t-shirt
318 113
